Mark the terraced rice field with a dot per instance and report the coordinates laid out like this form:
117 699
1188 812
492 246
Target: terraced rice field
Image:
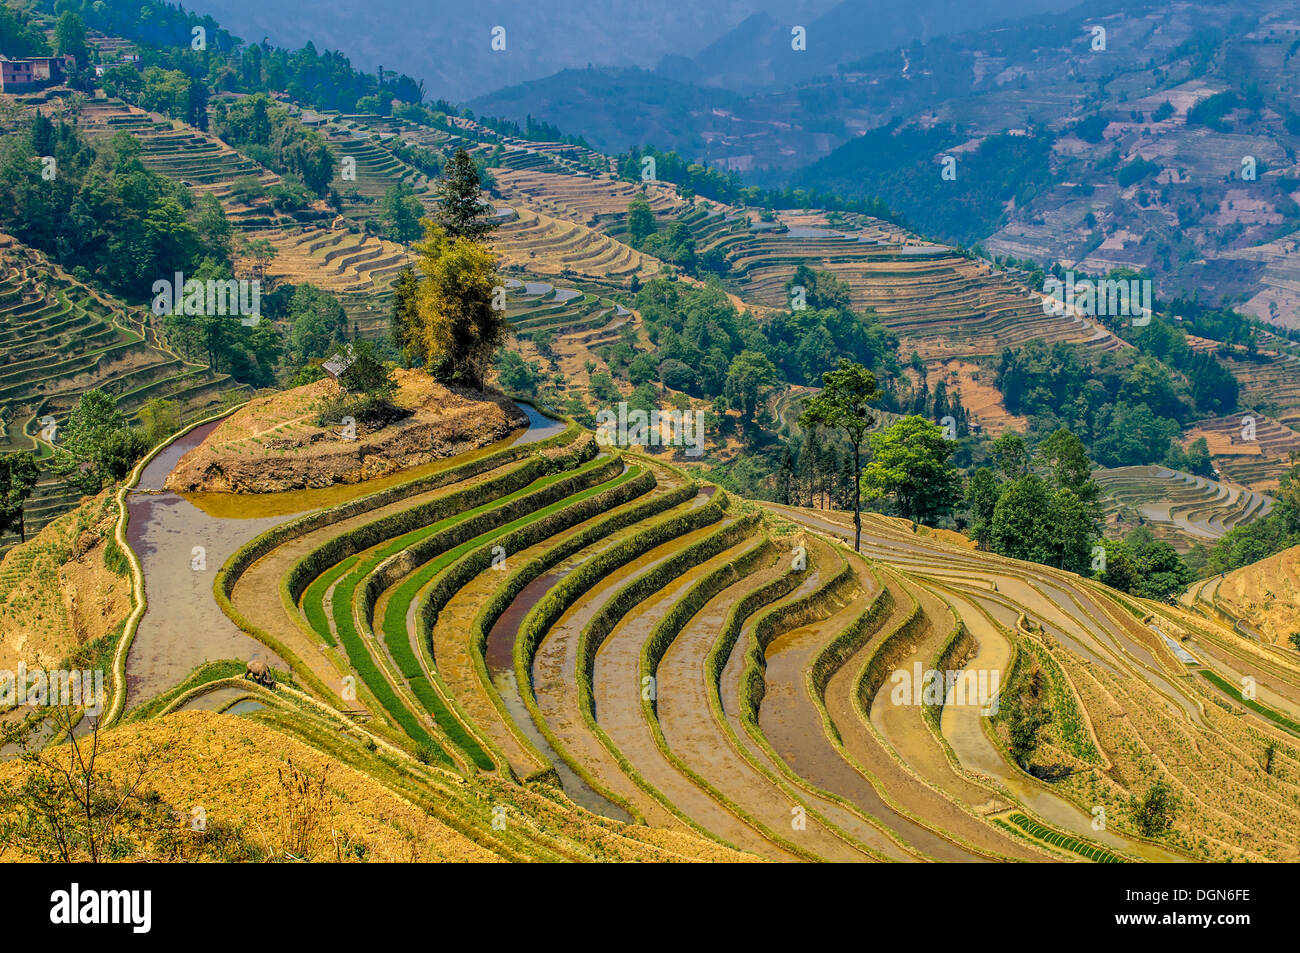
1270 383
942 305
1179 508
58 339
667 654
535 306
179 151
1248 448
340 260
547 246
580 198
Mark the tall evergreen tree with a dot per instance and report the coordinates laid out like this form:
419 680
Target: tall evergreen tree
404 327
461 212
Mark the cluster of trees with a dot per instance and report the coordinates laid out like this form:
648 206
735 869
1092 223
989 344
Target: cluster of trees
445 318
167 91
674 243
18 475
705 349
101 214
400 214
1145 566
326 80
1128 411
1044 508
96 446
19 37
266 132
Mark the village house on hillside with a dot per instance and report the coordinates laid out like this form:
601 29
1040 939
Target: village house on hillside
36 72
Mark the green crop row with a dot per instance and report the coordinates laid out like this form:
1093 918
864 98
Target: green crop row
587 505
405 523
260 545
1017 821
549 608
1214 678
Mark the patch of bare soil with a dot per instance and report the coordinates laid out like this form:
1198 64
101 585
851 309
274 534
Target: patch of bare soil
981 399
274 444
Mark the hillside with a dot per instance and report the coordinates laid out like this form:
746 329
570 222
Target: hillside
414 621
64 591
1263 596
221 788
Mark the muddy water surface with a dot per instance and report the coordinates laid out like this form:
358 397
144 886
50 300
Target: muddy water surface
181 548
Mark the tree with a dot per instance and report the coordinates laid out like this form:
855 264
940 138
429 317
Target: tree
18 476
460 212
1075 530
68 808
459 329
317 323
842 404
404 328
749 377
366 373
1011 455
1021 525
95 444
910 463
1155 810
785 479
401 213
982 492
196 103
641 222
159 418
1198 458
70 36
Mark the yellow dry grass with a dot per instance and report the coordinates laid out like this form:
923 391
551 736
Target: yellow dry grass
1266 594
56 594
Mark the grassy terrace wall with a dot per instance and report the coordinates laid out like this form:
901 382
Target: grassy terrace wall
550 490
256 548
554 604
479 560
417 517
774 623
885 656
228 575
654 580
670 626
520 578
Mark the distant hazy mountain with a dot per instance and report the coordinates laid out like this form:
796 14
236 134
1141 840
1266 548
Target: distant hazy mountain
449 44
758 52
